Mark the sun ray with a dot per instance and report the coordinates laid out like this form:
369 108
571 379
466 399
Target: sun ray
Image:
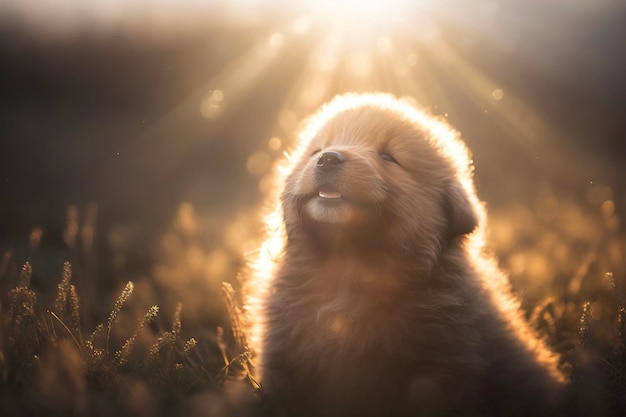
432 51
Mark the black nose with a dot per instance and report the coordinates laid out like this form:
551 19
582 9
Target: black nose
329 160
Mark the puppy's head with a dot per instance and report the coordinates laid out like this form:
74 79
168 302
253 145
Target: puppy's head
372 170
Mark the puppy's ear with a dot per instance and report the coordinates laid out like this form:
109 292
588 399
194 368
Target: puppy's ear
461 214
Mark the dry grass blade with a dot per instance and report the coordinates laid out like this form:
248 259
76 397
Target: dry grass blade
243 359
235 315
246 367
22 301
91 344
121 356
168 339
189 344
22 333
234 312
74 305
119 303
63 289
67 329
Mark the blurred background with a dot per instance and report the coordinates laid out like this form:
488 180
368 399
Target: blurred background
138 136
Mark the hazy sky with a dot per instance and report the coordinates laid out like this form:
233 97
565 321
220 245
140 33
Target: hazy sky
138 105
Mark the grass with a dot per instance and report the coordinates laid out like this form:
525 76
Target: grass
50 364
60 355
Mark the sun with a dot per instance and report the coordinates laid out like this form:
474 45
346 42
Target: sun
363 19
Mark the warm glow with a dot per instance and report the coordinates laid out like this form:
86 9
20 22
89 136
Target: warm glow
407 47
361 18
352 45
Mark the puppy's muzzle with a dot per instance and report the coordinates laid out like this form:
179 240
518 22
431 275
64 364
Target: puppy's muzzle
329 160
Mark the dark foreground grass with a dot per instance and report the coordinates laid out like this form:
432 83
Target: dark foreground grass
134 361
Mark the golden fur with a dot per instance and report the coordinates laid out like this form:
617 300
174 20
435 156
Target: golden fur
373 294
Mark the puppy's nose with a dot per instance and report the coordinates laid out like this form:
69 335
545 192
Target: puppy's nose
329 160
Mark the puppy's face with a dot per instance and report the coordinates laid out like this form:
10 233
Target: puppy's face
370 173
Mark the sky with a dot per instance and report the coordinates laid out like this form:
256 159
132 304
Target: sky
139 106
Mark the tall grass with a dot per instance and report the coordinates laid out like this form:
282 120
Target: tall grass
56 360
51 364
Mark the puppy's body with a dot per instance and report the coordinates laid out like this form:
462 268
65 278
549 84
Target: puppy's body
376 297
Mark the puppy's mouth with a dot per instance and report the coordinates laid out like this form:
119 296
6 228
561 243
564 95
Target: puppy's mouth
329 205
329 196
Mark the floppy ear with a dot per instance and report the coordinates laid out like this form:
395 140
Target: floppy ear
461 214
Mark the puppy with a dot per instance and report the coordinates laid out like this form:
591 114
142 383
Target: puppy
373 294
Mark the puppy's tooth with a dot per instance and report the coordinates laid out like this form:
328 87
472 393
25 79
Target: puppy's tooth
329 194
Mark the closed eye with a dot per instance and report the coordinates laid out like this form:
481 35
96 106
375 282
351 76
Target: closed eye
388 157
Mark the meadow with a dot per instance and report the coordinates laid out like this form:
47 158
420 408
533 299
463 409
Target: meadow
170 342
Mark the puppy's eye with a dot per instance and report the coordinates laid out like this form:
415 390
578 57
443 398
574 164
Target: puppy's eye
315 152
387 157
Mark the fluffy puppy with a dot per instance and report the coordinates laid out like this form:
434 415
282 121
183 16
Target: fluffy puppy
373 294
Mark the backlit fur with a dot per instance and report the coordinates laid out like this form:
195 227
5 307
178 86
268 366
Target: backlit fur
385 302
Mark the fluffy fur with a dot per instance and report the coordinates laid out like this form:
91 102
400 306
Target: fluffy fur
373 294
